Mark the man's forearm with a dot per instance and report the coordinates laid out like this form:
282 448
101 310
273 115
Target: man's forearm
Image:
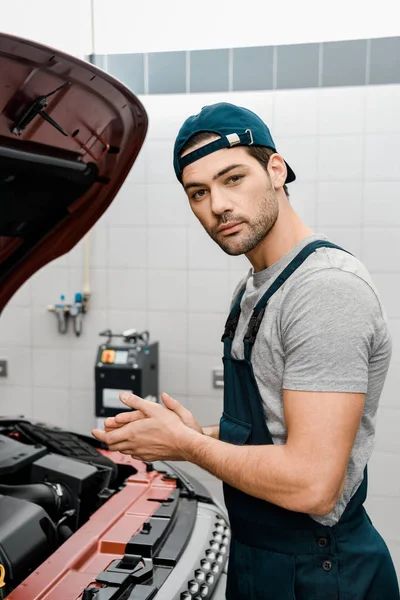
211 431
270 472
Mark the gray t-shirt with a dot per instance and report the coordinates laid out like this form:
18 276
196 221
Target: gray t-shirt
324 330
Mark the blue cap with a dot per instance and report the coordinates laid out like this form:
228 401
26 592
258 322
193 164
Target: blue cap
235 125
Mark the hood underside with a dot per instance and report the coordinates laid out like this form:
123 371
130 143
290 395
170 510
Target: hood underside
69 134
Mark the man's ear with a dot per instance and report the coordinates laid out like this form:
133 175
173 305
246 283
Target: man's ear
277 170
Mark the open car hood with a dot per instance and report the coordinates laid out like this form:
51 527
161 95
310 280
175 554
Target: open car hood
69 134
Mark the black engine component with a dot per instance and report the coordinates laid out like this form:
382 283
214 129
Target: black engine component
27 536
78 477
66 444
54 498
14 455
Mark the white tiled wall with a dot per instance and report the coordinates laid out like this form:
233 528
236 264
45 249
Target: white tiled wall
153 266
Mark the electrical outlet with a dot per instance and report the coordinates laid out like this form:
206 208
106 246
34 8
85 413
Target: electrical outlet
218 378
3 368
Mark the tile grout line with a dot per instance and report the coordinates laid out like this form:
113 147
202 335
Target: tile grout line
230 70
275 68
187 74
146 72
320 64
368 62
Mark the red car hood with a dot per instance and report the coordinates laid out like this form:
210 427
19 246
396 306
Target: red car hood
69 134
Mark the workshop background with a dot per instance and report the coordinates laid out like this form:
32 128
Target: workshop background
327 82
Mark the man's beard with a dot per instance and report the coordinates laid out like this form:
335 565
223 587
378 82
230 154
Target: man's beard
259 227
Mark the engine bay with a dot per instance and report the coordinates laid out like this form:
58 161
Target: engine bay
75 517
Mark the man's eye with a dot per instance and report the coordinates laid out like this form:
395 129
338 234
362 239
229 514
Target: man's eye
234 178
199 194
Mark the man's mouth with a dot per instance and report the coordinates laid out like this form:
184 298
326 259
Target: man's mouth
228 228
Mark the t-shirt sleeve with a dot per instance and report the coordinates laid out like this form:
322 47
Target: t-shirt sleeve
328 323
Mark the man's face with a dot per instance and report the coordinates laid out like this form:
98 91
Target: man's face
232 196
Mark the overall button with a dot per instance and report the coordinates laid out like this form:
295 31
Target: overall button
327 565
322 542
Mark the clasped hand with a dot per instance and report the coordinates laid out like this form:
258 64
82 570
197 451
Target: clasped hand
150 432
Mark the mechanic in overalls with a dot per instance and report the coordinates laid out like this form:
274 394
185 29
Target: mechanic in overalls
306 352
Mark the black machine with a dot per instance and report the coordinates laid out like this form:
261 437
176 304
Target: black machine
128 366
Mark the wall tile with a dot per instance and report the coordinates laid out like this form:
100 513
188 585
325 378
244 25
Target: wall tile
48 285
173 374
129 207
260 75
209 70
384 60
303 198
380 249
382 103
23 296
387 439
298 66
340 204
205 331
82 364
15 326
200 381
164 124
381 204
348 238
167 204
295 113
51 406
19 367
167 72
169 329
128 68
98 246
160 164
167 248
301 154
127 248
16 400
139 171
388 286
344 63
204 253
127 289
390 394
51 368
81 411
208 291
120 320
167 290
341 110
381 158
333 158
380 464
75 256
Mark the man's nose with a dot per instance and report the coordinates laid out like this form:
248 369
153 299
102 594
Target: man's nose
220 202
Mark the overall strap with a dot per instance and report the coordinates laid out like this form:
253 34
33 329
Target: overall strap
233 319
259 309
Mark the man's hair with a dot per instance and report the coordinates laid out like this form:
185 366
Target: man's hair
260 153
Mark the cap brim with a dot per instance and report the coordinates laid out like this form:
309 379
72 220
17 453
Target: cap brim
290 174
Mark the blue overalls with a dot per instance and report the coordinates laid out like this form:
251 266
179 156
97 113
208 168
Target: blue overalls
278 554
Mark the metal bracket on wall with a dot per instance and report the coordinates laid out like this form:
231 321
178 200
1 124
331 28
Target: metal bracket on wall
218 378
3 368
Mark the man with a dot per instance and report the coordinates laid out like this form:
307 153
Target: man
306 352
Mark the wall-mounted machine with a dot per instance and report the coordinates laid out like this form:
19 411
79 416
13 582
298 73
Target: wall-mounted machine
127 365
